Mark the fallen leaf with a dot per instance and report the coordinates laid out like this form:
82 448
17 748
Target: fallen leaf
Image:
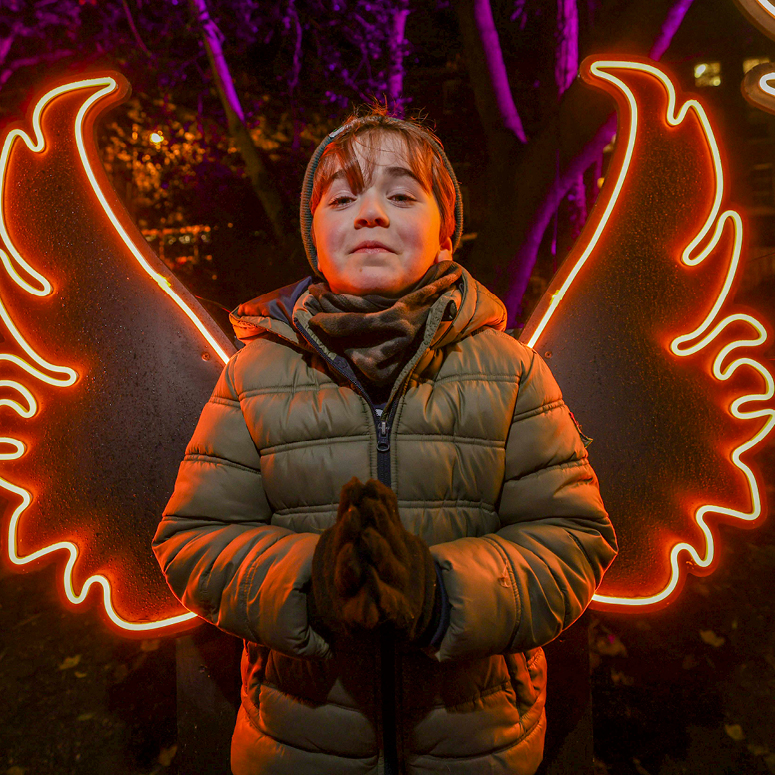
620 678
85 716
610 646
149 645
79 674
120 673
69 662
599 767
639 768
167 755
735 731
710 637
758 750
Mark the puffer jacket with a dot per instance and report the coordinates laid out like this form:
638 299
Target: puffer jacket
489 469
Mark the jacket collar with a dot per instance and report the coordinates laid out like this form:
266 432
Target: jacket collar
459 311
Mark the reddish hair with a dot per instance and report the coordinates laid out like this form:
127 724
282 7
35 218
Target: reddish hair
423 159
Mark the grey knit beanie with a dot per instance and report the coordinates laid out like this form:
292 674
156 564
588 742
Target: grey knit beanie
305 215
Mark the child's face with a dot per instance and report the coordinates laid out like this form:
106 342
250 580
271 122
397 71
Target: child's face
385 238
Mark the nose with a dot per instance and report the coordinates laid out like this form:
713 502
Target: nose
371 211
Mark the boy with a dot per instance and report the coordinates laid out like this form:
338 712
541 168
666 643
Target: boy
393 626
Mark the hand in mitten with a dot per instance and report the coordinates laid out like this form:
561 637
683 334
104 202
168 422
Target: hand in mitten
368 570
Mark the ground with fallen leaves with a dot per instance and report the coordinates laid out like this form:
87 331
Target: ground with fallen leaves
76 698
690 689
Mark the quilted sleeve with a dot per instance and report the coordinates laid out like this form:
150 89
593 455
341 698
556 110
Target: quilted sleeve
519 587
220 556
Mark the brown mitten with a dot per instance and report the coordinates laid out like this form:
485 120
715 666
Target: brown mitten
367 569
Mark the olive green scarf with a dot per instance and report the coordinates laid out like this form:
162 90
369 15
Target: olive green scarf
375 333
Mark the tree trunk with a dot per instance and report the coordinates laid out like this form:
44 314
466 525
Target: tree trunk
565 71
397 50
504 133
527 184
262 183
487 69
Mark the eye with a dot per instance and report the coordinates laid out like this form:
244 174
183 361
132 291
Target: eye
403 197
342 199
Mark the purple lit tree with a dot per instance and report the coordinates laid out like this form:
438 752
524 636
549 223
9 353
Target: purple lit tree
528 178
238 92
235 93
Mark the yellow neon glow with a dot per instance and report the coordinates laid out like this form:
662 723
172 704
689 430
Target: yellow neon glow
62 376
72 550
157 138
698 339
160 280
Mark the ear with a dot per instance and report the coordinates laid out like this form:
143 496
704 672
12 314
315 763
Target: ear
445 251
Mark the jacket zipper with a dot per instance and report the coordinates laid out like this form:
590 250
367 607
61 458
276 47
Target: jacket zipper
387 643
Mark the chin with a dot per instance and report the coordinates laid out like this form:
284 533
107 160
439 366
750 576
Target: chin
380 283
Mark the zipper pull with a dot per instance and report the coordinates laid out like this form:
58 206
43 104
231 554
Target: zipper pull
383 439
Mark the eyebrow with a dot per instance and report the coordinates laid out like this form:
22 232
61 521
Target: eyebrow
393 172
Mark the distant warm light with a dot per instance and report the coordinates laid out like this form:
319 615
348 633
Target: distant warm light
749 64
707 74
157 138
714 324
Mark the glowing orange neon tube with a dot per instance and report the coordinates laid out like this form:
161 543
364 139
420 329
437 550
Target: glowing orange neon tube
762 12
34 283
700 247
757 84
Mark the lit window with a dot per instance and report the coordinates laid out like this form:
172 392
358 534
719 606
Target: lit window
749 64
707 74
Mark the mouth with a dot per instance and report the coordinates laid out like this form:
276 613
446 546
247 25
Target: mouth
371 246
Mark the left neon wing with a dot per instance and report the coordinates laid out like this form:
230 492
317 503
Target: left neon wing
660 367
106 362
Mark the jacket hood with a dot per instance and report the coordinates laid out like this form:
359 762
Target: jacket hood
272 311
459 311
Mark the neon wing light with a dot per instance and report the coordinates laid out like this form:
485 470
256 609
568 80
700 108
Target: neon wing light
759 83
678 398
58 211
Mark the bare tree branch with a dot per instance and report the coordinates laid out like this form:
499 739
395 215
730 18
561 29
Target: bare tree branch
565 69
134 30
6 44
529 188
396 51
297 54
494 101
257 171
